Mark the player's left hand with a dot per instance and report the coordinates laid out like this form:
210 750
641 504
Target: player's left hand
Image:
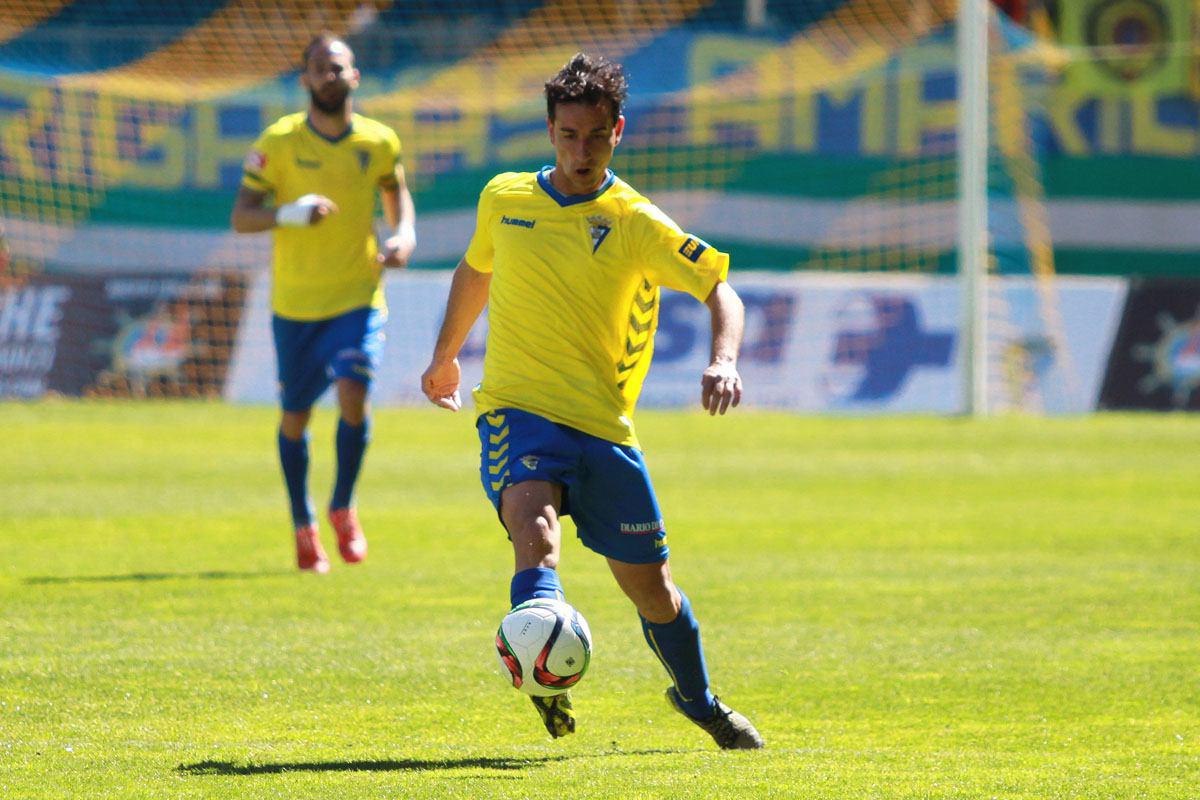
396 250
720 388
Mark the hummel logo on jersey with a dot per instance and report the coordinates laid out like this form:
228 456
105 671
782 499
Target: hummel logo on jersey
520 223
692 249
530 462
601 227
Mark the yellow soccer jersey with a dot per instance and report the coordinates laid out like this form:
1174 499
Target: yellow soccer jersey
326 269
574 297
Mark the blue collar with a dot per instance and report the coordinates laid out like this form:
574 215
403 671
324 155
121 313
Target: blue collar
331 139
543 179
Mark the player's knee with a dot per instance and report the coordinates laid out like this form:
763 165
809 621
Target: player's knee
292 424
536 542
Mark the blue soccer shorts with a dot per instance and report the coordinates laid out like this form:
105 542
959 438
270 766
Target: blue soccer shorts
607 489
312 355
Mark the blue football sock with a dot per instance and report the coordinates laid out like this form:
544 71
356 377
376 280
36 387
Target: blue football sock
677 645
534 582
351 445
293 457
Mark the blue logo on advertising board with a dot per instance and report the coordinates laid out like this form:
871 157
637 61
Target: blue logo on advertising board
878 341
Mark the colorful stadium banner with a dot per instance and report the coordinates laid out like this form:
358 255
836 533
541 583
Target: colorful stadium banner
160 335
1155 362
811 143
814 343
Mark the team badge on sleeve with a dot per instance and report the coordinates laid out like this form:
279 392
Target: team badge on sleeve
256 161
692 249
601 227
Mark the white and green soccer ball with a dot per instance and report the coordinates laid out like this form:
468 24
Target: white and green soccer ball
544 647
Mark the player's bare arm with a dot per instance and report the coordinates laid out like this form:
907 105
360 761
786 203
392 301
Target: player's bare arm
468 296
252 214
721 385
400 214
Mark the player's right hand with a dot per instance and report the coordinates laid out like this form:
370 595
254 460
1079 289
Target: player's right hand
307 210
440 384
321 209
720 388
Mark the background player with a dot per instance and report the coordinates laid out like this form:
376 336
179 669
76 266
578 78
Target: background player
570 259
322 170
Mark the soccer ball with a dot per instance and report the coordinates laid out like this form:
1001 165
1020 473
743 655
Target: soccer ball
544 647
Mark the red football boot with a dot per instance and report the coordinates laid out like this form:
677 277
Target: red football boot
351 542
310 556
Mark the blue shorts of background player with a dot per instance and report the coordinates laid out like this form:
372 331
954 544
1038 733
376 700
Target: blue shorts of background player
607 489
311 355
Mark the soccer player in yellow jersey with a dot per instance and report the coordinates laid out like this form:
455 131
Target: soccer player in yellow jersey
312 178
569 261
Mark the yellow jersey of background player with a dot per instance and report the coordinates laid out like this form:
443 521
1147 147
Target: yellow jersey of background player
320 271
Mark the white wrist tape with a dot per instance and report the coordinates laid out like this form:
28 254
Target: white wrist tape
297 213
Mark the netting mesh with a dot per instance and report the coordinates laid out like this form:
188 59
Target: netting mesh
813 135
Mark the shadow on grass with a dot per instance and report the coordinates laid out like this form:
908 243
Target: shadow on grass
395 765
377 765
141 577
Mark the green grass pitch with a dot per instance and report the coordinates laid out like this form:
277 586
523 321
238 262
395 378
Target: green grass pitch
907 608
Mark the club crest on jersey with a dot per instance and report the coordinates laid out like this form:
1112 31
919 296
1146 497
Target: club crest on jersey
255 161
364 158
601 228
530 462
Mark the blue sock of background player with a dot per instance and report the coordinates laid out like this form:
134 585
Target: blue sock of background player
351 444
677 645
293 457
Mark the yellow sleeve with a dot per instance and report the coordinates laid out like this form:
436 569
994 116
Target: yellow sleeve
391 157
481 250
673 258
260 170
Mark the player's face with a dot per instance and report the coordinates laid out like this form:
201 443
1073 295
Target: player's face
584 137
330 76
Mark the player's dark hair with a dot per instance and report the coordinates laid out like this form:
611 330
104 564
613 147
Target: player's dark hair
590 81
323 39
